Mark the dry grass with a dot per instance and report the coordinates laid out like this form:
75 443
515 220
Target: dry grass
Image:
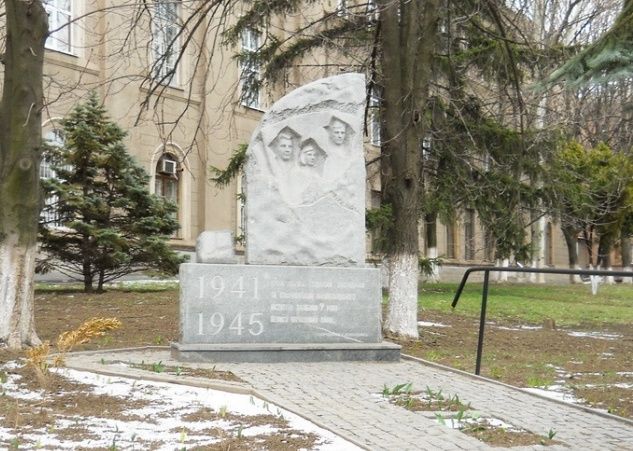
37 356
94 327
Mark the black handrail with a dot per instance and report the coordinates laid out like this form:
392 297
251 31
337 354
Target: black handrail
484 295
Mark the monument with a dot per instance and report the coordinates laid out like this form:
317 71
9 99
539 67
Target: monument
305 292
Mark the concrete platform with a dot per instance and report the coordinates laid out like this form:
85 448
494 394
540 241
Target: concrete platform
286 352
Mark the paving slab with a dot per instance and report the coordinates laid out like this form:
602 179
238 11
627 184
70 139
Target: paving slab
346 398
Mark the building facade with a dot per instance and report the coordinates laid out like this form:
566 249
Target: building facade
186 104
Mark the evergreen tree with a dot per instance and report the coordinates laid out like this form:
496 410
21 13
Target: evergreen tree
416 53
590 191
609 58
111 224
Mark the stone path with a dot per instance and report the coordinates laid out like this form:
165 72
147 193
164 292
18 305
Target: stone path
345 397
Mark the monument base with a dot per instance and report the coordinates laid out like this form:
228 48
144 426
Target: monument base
286 352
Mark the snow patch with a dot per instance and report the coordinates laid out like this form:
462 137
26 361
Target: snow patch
431 324
161 424
597 335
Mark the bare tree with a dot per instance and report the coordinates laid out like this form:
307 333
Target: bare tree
20 153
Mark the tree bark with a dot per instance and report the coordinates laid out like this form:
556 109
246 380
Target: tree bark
572 250
604 255
20 154
409 33
604 249
88 275
101 281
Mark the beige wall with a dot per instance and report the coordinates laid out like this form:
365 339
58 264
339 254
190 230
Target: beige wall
210 121
198 119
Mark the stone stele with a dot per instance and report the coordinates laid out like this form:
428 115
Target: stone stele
305 178
305 293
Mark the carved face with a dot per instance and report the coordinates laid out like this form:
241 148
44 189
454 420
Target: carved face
337 133
308 156
284 147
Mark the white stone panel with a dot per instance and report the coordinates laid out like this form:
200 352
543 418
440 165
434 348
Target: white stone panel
305 178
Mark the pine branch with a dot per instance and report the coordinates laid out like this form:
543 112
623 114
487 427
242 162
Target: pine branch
609 58
222 178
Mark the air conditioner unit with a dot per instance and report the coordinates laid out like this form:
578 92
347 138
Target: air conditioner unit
169 167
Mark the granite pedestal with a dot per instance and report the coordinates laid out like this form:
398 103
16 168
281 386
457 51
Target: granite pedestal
269 313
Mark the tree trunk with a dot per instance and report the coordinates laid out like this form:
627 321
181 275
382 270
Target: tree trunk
88 275
17 266
20 154
408 36
604 255
604 247
572 250
101 281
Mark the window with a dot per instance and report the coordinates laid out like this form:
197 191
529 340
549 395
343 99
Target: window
450 240
374 118
59 16
372 12
341 8
250 69
50 214
171 179
489 245
426 145
166 45
166 182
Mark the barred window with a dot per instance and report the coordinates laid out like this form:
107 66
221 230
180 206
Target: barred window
50 213
374 119
250 70
166 43
59 17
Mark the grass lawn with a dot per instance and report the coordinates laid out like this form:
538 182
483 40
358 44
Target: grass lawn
567 305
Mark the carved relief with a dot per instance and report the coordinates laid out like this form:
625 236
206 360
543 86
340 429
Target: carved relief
311 155
306 178
284 145
339 131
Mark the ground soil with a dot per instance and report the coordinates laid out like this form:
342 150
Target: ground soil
148 319
587 367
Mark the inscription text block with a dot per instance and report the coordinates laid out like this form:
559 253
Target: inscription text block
274 304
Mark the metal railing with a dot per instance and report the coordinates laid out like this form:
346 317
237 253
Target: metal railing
484 295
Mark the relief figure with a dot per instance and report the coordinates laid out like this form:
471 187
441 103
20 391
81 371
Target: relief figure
310 170
339 134
282 166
